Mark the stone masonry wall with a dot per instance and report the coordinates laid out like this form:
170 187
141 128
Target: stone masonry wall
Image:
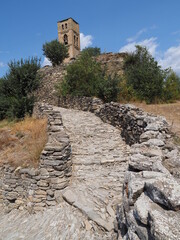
49 76
151 191
36 188
112 62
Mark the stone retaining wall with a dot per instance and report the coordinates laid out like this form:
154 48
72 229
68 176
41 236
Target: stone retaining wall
33 188
151 191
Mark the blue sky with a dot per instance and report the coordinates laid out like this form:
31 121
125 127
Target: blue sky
112 25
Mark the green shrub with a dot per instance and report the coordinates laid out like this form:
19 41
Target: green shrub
55 51
126 92
143 79
171 89
92 51
16 88
83 77
144 75
109 88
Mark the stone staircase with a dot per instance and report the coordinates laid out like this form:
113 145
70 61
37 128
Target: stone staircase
87 207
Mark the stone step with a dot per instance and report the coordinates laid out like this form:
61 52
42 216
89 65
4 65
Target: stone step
80 202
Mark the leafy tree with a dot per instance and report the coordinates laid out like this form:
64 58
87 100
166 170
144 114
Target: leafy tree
21 78
109 88
55 51
16 88
144 75
83 77
92 51
4 104
126 92
171 90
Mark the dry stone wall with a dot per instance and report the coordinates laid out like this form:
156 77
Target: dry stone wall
151 190
151 194
36 188
130 119
80 103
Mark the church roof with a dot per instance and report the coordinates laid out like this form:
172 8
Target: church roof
68 19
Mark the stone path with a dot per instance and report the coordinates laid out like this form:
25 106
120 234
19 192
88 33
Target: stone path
88 212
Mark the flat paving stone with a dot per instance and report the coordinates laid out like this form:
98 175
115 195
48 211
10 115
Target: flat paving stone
99 158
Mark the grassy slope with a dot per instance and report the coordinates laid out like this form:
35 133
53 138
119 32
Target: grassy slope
21 143
171 111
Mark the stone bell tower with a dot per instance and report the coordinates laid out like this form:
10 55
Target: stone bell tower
68 34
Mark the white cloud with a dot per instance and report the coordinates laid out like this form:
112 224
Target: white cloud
85 41
171 58
6 52
138 34
2 64
46 62
154 26
150 43
38 34
176 32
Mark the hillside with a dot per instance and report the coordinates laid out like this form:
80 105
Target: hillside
21 143
50 76
107 170
170 111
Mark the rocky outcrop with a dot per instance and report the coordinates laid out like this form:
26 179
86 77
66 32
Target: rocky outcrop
36 188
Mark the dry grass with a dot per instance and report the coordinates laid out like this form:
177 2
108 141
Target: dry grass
21 143
171 111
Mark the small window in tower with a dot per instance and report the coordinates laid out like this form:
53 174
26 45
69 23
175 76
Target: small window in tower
65 25
77 41
65 39
74 40
62 26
